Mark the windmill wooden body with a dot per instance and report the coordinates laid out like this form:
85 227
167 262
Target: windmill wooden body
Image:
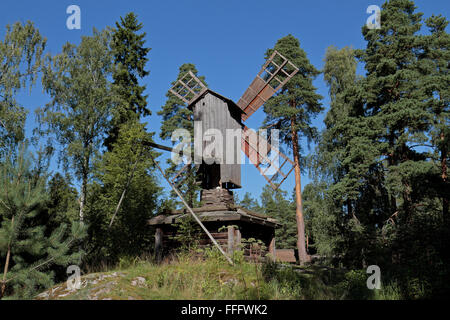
217 176
213 111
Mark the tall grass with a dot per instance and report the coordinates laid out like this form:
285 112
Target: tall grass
190 277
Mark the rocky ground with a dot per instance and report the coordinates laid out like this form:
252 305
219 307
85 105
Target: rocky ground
92 287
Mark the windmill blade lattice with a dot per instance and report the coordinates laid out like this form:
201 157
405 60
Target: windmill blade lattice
274 74
188 88
257 149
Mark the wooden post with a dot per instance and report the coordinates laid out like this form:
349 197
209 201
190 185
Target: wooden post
237 239
159 244
272 249
230 241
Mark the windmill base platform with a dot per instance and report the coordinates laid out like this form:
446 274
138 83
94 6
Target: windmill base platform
229 224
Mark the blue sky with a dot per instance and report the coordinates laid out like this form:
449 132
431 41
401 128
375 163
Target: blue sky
226 40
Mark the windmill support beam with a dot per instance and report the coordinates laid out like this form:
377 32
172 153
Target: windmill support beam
159 235
231 240
272 249
159 146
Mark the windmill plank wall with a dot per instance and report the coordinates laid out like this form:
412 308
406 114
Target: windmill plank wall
217 113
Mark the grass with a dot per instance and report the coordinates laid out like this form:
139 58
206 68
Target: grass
190 278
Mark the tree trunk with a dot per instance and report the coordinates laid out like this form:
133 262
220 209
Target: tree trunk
302 254
82 201
445 200
391 162
84 187
5 271
392 199
130 177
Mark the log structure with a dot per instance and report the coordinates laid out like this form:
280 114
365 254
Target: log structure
230 225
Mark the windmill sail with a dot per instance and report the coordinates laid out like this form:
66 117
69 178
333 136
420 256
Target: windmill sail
266 157
275 73
188 88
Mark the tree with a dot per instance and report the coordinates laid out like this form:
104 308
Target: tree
335 142
291 110
393 99
82 100
248 202
275 204
27 249
434 63
130 58
20 61
380 160
62 205
124 176
341 197
323 220
177 116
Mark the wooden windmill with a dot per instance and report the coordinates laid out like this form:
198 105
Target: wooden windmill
218 177
215 111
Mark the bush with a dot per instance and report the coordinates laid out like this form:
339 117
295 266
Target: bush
354 287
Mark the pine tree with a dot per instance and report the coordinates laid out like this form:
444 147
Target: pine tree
250 203
175 116
378 180
434 63
291 110
130 58
393 99
24 246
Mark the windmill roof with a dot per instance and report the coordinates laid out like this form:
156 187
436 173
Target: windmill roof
207 90
216 213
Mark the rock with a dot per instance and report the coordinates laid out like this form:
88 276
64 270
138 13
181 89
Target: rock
139 281
231 282
43 295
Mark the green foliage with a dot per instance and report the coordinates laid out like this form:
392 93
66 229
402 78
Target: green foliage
62 204
297 100
381 190
130 57
354 286
321 221
225 228
82 99
391 291
188 234
275 205
249 203
31 245
20 61
126 170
